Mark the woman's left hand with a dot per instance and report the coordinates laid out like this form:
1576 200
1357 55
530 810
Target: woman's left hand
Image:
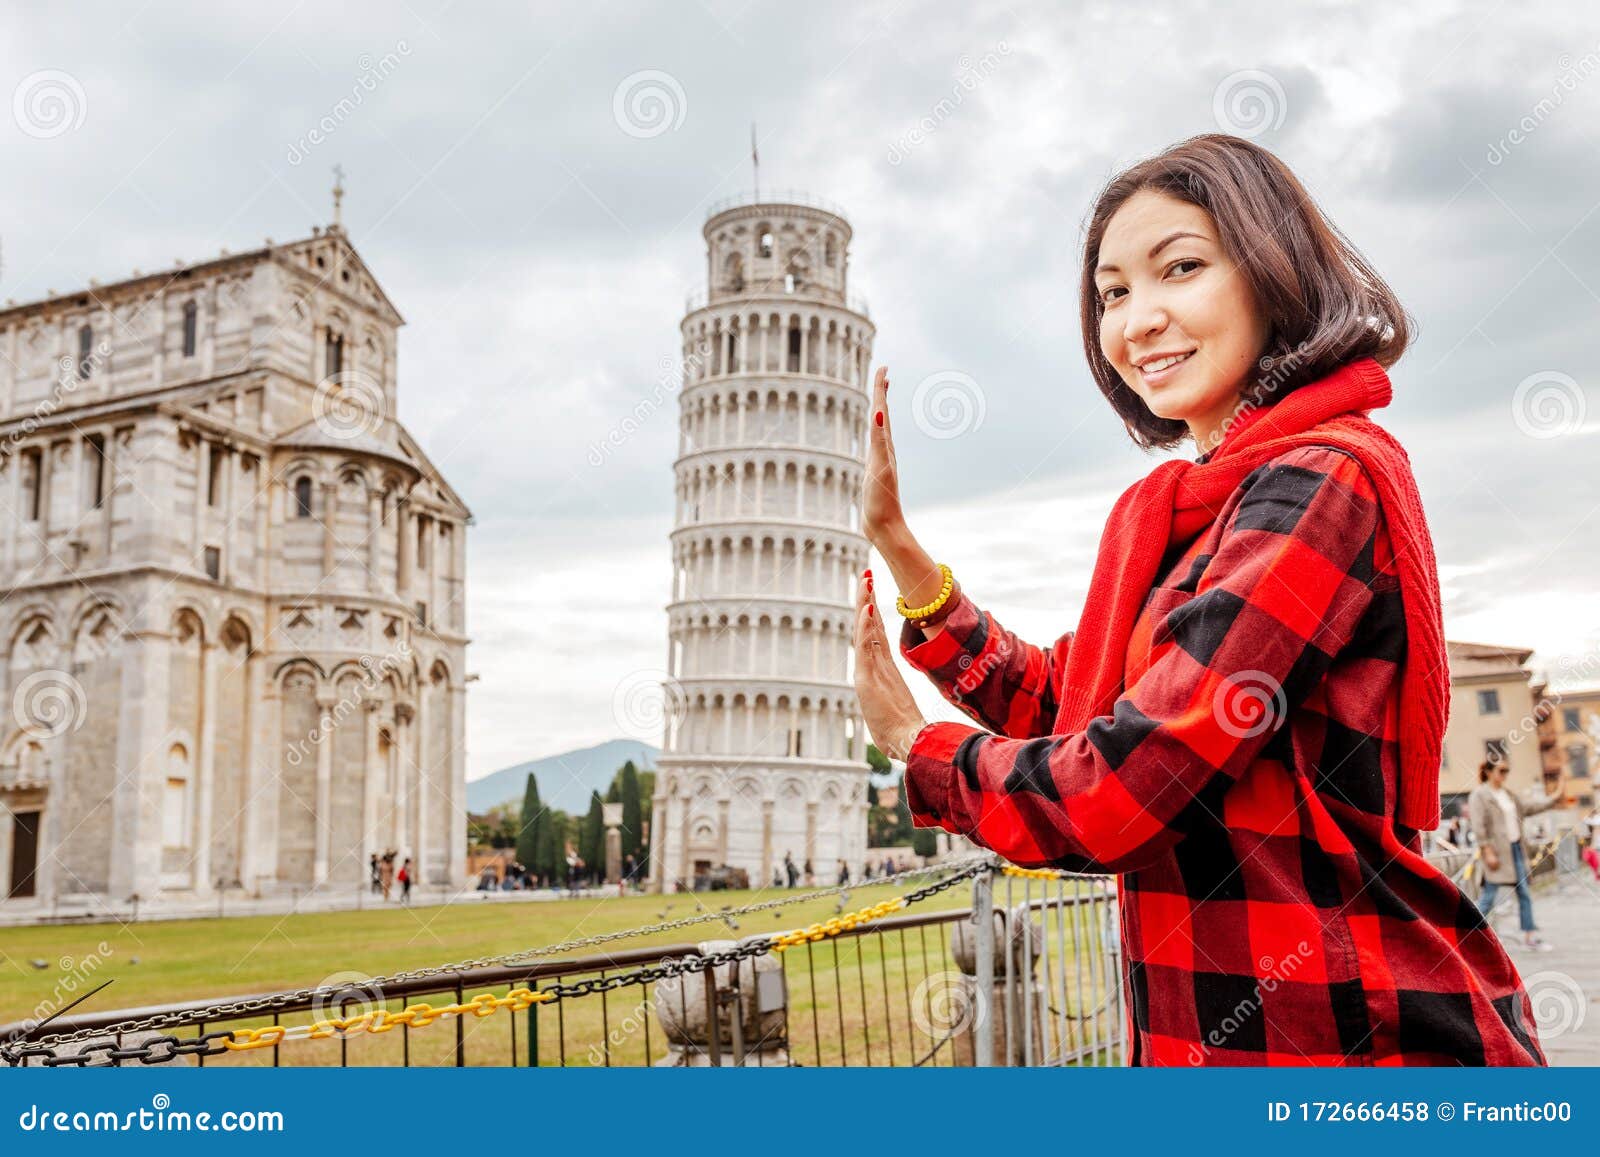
890 712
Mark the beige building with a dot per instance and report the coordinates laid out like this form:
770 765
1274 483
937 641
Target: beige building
1574 731
1498 707
233 629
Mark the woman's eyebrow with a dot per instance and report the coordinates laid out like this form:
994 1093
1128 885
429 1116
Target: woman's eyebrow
1157 248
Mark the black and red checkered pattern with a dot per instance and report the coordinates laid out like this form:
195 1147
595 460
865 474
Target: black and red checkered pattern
1273 911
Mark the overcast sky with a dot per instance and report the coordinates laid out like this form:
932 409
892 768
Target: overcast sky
529 184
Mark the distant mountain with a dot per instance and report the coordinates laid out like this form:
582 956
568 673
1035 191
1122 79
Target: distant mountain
565 780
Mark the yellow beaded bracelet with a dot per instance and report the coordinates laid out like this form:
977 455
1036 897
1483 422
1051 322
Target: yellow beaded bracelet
923 612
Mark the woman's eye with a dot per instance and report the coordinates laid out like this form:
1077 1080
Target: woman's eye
1185 261
1105 294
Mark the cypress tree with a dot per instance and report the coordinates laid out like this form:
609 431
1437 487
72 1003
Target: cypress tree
903 828
632 812
552 853
532 822
592 843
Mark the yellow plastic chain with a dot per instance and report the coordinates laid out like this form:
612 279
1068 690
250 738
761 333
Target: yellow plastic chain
382 1020
836 925
1034 873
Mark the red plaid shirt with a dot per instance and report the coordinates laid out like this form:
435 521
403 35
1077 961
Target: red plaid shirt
1273 911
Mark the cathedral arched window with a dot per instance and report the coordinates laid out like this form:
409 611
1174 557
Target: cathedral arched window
175 820
191 328
764 232
85 349
302 496
333 354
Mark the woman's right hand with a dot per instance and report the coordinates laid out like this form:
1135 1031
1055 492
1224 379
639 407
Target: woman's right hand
881 513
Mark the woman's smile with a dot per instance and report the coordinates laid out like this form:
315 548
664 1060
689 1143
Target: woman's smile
1161 370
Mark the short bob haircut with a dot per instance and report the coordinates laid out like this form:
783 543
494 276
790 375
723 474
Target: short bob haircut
1324 305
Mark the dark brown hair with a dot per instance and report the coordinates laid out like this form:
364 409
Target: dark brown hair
1324 305
1486 768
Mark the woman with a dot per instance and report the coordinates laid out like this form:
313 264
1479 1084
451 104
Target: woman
1497 816
1246 723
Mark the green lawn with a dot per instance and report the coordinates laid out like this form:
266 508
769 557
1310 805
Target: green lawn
850 1002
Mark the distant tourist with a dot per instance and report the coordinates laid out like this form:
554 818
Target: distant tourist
405 881
1497 816
1591 854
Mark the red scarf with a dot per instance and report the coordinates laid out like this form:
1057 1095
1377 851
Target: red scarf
1180 499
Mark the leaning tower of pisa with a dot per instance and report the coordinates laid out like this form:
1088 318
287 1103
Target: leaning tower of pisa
764 752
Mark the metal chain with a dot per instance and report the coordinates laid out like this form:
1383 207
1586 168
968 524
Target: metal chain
148 1053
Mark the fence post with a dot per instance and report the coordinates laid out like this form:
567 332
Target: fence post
983 969
713 1016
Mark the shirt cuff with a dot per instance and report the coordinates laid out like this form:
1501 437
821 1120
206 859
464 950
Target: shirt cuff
940 653
930 774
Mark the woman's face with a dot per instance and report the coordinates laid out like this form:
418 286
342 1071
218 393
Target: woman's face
1167 287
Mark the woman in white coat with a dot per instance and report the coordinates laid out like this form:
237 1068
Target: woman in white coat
1497 816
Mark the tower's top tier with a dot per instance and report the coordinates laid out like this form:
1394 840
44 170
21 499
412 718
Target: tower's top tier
787 244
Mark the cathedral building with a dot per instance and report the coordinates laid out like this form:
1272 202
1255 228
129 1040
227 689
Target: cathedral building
232 638
764 755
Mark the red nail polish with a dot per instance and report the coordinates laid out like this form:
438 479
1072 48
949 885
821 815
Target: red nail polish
869 610
878 418
868 573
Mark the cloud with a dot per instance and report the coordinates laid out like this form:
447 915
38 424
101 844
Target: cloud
541 253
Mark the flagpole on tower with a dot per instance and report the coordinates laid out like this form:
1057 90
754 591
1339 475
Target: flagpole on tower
755 159
338 197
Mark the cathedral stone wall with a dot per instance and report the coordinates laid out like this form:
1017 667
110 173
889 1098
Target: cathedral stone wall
234 624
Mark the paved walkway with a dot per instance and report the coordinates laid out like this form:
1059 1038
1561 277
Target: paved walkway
1564 983
85 910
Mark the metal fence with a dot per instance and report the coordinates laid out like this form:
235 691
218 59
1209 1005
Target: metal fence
1029 973
911 987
